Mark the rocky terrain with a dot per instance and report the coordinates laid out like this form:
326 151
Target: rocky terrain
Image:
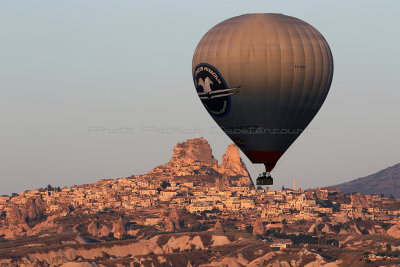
385 182
187 249
193 211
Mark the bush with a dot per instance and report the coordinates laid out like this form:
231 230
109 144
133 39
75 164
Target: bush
165 184
249 228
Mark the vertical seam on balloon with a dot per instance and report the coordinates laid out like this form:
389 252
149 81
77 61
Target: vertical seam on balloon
331 66
200 50
326 74
215 54
264 44
227 48
205 47
303 114
240 33
323 91
315 99
211 34
303 73
216 35
302 97
280 68
286 116
240 53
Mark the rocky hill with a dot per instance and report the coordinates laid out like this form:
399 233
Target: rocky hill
192 211
193 161
385 182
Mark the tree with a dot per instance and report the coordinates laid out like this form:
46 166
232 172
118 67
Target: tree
283 187
334 243
364 232
249 228
259 187
14 195
364 210
165 184
388 247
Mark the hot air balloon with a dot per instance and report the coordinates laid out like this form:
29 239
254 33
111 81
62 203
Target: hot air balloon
262 78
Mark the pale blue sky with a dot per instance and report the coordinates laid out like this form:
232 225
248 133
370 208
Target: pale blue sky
68 66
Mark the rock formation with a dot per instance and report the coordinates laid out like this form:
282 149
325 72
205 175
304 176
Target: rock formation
45 226
189 157
359 200
193 152
233 169
169 226
92 229
119 229
104 231
312 228
258 228
33 209
60 228
14 215
232 164
394 231
14 231
353 229
327 229
218 225
75 228
174 223
194 157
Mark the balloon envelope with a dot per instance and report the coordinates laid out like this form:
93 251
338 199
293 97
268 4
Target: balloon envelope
263 78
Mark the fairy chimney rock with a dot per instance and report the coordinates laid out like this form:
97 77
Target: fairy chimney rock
232 164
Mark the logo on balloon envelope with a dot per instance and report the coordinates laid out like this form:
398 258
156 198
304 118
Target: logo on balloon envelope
213 90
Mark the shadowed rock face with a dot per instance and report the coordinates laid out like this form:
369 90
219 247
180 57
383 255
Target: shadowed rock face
174 222
359 200
232 164
103 231
233 169
385 182
258 227
119 229
33 209
15 216
92 229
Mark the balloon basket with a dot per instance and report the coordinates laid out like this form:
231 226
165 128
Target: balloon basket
265 179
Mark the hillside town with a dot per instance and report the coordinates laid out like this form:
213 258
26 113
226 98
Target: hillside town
192 197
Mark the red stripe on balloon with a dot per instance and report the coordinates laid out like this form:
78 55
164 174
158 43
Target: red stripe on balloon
269 158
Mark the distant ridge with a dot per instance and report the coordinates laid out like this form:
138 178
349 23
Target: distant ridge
385 182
